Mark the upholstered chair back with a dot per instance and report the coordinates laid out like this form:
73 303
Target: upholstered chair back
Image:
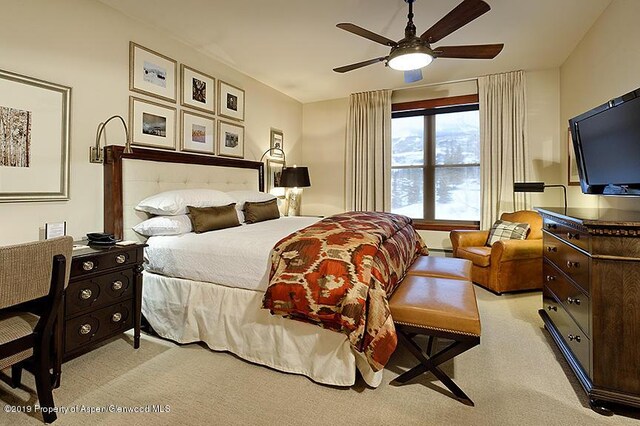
526 216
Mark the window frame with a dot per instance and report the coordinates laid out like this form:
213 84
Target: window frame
430 109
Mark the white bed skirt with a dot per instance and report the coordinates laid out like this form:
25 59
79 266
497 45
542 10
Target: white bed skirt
231 319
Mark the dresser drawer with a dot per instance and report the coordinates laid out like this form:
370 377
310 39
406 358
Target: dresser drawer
98 325
98 291
572 262
581 239
572 298
573 337
102 261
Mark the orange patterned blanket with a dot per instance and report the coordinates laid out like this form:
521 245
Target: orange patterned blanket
338 274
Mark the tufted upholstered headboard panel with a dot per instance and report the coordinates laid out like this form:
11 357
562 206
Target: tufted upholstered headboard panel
129 178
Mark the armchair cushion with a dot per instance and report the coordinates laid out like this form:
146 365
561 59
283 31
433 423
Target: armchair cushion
480 256
504 230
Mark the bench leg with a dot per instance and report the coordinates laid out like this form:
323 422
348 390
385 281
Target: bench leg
431 363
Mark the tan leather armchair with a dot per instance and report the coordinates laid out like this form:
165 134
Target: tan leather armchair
509 265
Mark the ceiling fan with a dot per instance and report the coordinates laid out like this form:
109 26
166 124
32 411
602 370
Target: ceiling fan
413 52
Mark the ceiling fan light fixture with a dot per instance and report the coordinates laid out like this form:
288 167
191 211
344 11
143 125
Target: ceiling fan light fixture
410 61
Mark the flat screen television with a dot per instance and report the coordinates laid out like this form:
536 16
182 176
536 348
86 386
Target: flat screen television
606 141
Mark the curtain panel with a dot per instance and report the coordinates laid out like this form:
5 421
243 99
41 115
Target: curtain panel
368 156
504 155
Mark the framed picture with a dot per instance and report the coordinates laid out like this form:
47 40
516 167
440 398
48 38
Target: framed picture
230 139
34 139
573 176
197 133
197 90
274 173
152 73
231 101
277 140
152 124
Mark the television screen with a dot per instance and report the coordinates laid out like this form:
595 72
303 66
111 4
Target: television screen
607 146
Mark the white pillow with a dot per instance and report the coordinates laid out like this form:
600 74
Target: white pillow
164 225
241 197
175 202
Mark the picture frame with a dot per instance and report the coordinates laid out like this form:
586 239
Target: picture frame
277 141
230 101
198 133
34 139
274 172
197 90
152 73
55 229
573 177
230 139
152 124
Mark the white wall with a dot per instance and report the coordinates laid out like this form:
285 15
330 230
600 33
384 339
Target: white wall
85 45
604 65
324 127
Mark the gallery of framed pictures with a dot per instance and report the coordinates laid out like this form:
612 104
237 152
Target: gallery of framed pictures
151 73
231 101
197 133
230 139
34 139
152 124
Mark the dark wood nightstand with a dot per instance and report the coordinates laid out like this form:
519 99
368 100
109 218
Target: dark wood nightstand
103 299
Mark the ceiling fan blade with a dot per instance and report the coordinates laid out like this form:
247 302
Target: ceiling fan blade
360 64
412 76
478 51
464 13
352 28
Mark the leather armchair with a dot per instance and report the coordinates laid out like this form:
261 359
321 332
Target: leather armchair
509 265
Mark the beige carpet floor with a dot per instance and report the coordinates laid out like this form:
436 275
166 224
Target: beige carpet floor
515 377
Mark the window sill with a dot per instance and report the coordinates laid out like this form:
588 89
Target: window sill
443 225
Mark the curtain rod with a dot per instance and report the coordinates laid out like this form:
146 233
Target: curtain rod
436 84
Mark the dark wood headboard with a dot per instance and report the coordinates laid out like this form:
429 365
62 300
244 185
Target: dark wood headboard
114 154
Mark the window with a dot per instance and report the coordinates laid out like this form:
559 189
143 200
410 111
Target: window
435 167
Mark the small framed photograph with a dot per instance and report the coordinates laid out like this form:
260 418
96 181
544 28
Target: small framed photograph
277 141
54 230
152 124
231 101
197 90
573 176
230 139
152 73
274 174
197 133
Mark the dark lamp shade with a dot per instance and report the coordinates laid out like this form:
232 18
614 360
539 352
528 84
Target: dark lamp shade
528 187
295 177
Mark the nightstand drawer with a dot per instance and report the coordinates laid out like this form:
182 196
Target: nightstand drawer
98 291
102 261
98 325
571 261
574 300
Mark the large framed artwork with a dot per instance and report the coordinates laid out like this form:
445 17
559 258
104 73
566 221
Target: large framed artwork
573 177
274 174
152 124
197 133
197 90
34 139
151 73
231 101
230 139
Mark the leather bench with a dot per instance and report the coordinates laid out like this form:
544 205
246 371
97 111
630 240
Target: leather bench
437 308
442 267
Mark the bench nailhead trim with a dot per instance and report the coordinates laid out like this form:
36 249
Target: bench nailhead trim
436 328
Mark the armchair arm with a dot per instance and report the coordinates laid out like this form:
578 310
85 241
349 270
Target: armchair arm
505 250
464 238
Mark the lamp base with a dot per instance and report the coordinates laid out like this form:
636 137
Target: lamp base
294 200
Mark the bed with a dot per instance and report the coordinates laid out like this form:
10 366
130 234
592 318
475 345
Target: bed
226 316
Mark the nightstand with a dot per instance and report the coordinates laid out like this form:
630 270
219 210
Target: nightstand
103 299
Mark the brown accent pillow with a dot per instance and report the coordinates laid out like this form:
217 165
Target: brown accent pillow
261 211
205 219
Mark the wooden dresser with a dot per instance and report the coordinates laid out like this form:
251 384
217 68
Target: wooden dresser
102 300
591 299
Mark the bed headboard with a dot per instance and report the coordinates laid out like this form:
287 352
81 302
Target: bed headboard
129 178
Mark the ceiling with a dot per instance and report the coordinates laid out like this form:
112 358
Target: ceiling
293 45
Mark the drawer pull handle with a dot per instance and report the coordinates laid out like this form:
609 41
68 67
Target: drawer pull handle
116 317
573 300
551 278
551 226
551 249
552 308
116 285
571 264
87 265
121 258
576 338
85 294
571 236
85 329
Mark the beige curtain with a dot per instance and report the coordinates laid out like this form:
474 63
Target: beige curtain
368 156
503 139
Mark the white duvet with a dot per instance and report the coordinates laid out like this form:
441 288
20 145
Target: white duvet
234 257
